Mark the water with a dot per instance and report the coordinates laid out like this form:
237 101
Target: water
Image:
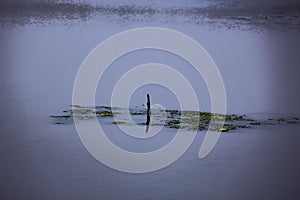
41 53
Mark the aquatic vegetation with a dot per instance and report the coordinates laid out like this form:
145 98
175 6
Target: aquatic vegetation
255 123
173 119
138 112
104 113
172 122
118 122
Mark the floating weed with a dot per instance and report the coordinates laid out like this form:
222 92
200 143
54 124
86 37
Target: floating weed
104 113
60 116
174 119
171 122
138 112
255 123
224 129
118 122
243 126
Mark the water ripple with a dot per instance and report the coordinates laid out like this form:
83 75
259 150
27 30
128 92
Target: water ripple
45 12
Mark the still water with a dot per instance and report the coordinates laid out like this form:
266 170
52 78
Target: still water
42 51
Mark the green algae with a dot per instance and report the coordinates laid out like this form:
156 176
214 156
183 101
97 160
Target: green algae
105 114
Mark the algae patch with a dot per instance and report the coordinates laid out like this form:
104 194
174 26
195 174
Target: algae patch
173 119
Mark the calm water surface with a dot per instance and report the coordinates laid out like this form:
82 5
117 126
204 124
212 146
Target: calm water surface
40 55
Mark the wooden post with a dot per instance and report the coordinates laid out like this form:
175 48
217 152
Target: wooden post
148 102
148 113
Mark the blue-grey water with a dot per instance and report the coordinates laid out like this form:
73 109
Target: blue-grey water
43 43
